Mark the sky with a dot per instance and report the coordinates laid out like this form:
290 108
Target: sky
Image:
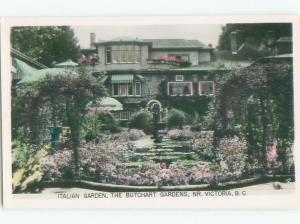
207 34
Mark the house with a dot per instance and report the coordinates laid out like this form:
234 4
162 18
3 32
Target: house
137 70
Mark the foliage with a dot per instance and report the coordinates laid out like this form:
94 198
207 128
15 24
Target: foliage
177 134
58 166
131 135
175 118
20 155
98 121
97 160
142 121
30 173
203 144
232 153
257 102
64 99
257 34
46 44
272 155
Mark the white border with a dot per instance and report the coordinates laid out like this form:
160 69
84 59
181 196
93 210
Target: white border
40 201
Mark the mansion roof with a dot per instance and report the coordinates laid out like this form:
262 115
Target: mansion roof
159 43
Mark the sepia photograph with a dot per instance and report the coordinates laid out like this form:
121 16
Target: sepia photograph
147 110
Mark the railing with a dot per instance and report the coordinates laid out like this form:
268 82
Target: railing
123 115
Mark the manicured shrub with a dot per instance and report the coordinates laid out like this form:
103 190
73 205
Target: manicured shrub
175 118
142 121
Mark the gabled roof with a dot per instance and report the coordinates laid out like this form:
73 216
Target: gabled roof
176 43
160 43
124 39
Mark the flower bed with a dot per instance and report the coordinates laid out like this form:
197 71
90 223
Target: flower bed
114 161
131 135
177 134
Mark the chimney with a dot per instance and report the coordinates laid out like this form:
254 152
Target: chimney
92 40
233 42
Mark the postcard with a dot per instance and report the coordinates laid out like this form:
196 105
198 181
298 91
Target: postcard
150 112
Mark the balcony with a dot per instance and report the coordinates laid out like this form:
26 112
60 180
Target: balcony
168 62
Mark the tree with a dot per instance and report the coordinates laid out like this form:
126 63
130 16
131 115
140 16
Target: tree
46 44
65 98
255 33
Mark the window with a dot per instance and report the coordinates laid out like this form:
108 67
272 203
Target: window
126 89
123 89
130 89
125 54
179 78
180 88
206 88
108 55
138 88
115 90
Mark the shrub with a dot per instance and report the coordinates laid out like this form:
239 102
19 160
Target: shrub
58 166
90 136
177 134
100 119
20 155
131 135
175 119
142 121
203 144
31 173
233 155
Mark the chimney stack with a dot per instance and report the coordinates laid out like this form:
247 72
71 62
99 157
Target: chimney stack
233 42
92 40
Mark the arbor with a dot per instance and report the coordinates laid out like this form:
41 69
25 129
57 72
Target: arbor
65 99
46 44
259 99
254 33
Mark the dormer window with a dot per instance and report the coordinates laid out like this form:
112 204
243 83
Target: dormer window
179 78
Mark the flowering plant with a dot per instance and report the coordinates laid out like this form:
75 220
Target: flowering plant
131 135
272 154
177 134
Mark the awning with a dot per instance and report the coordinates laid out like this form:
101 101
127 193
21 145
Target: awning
124 78
106 103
